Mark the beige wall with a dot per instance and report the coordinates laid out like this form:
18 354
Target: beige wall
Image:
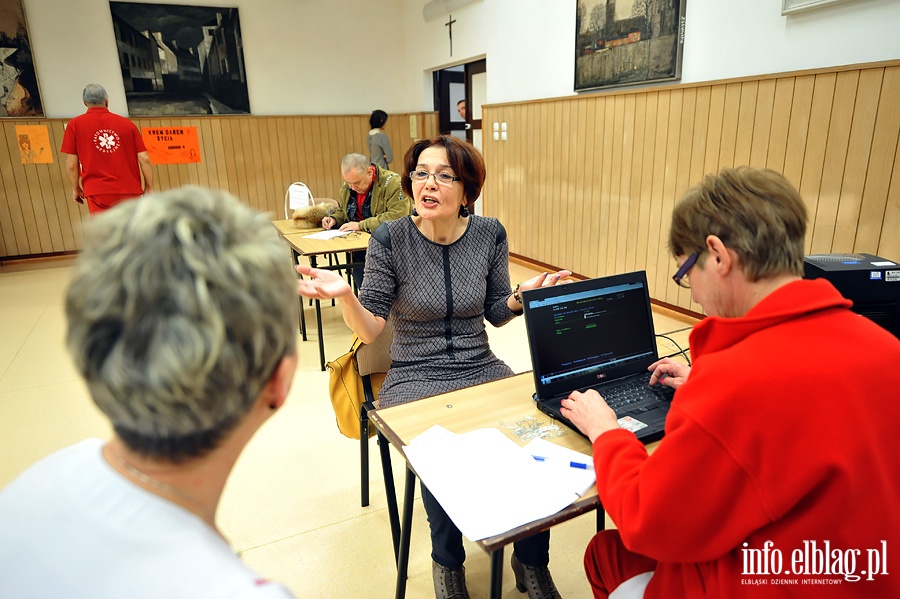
588 183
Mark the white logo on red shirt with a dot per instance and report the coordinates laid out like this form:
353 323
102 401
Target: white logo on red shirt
106 141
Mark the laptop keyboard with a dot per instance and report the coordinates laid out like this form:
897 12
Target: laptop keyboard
635 395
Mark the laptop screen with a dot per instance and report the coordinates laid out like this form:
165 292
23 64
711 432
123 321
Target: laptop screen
589 332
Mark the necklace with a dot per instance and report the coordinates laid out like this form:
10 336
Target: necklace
139 476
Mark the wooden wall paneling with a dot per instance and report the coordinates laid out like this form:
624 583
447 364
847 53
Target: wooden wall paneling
555 207
698 159
8 226
527 184
634 189
835 161
207 167
585 184
615 184
625 200
592 175
648 142
576 234
21 212
234 157
859 149
730 120
814 155
889 244
677 295
673 145
566 222
518 165
655 231
276 154
714 129
872 215
258 170
56 190
194 170
781 120
52 208
222 157
543 150
762 123
798 128
743 139
317 164
610 151
295 136
243 161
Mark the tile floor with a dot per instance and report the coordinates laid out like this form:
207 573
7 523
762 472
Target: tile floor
291 506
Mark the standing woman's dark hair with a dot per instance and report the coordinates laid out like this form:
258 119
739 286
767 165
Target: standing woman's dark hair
377 119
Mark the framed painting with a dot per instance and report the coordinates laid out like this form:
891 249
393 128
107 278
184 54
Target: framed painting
180 60
19 94
627 42
792 6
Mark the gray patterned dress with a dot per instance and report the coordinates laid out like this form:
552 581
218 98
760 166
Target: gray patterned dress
439 297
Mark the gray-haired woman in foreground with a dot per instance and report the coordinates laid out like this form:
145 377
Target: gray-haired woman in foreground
181 321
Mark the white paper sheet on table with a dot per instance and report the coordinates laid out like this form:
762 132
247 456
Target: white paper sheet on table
489 485
329 234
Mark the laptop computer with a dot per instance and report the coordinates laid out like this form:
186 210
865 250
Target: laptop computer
597 334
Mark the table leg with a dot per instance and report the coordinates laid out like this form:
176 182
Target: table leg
390 493
295 257
405 532
496 573
312 263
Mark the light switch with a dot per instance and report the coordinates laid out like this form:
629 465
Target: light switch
503 135
496 126
496 135
503 126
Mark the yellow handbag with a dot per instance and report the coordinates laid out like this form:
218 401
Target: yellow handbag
346 390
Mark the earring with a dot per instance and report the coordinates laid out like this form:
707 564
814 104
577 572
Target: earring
414 213
463 212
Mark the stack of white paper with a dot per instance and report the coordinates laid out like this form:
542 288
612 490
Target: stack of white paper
488 485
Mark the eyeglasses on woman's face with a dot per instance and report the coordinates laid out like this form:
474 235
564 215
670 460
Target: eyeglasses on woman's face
421 176
681 277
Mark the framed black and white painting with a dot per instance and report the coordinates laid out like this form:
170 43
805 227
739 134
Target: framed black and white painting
180 60
19 94
627 42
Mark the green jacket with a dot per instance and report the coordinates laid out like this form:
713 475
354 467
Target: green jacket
388 201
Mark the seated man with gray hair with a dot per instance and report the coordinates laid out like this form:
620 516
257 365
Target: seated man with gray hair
369 196
181 321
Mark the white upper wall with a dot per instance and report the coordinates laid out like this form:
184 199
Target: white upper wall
350 56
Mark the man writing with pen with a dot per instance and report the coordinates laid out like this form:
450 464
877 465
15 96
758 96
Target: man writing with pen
369 196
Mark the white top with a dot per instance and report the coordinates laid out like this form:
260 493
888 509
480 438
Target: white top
71 526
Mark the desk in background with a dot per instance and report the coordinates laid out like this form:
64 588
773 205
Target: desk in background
301 245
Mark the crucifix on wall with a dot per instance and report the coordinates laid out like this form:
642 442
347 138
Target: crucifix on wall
449 25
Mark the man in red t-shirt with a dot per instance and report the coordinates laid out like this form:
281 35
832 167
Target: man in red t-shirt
106 155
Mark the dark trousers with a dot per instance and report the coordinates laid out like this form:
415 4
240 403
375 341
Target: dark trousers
358 270
447 544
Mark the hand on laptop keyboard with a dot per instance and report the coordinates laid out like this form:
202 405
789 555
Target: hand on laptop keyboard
669 373
590 413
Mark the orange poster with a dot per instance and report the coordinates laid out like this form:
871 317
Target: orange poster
34 144
172 145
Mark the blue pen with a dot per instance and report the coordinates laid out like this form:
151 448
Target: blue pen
572 464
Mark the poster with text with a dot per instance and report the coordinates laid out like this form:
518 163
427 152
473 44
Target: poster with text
172 145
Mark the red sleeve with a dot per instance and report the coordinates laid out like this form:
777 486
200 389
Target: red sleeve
69 146
669 505
138 140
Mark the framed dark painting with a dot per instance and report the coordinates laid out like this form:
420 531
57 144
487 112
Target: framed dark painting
627 42
19 95
180 60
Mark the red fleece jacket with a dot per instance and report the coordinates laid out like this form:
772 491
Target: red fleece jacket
786 431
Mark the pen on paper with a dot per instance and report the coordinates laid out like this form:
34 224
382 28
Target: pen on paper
572 464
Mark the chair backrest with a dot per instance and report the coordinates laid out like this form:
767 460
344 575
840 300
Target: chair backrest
297 196
375 357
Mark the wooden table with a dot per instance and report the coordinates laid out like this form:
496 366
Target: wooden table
301 245
498 404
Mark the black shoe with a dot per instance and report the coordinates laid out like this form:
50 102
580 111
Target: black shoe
449 584
534 580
